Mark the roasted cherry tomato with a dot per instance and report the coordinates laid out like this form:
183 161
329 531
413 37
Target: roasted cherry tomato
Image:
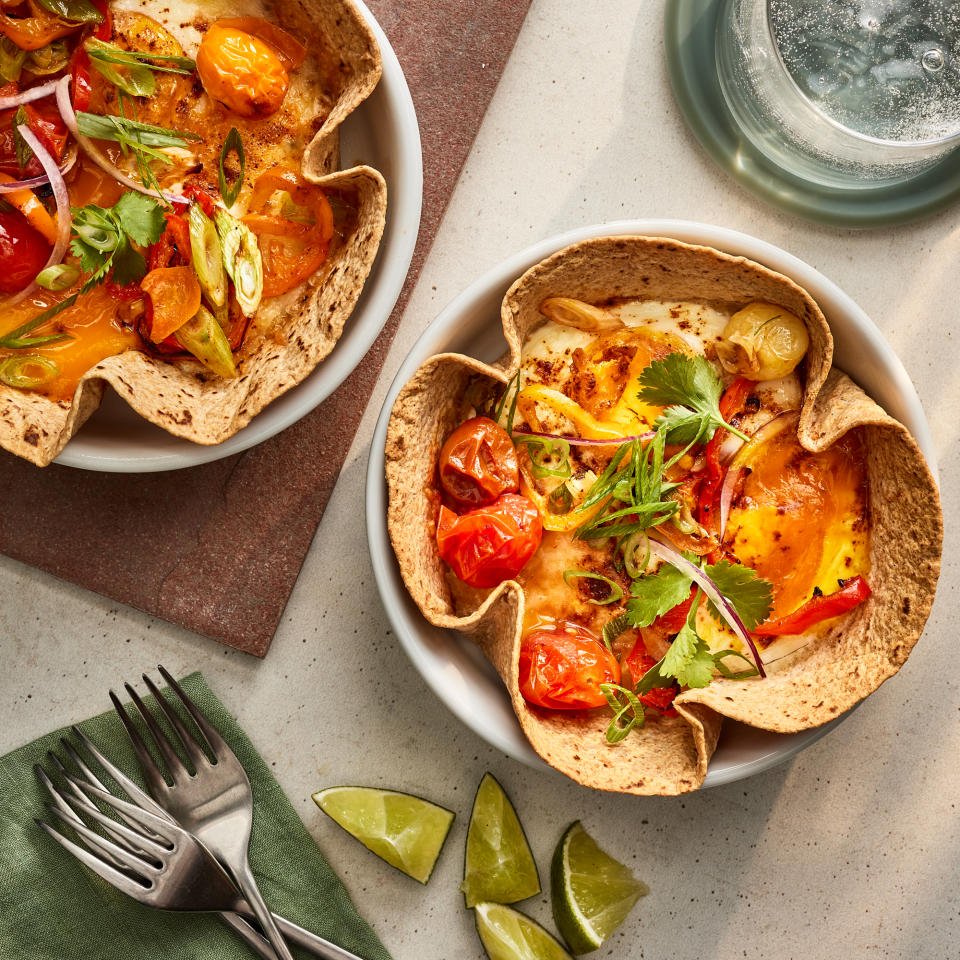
822 607
563 669
23 251
173 247
45 122
38 29
241 71
478 463
80 79
490 544
639 662
291 249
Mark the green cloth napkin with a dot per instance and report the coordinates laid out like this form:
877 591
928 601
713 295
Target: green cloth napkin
52 908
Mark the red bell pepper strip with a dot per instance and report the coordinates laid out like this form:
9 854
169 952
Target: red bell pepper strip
731 402
202 197
105 29
173 247
80 79
851 594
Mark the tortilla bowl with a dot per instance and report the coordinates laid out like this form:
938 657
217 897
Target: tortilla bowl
803 691
293 332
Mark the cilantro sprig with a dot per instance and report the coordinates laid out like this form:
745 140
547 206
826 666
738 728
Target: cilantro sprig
690 390
104 237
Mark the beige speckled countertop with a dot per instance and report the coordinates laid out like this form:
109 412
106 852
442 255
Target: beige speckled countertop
850 850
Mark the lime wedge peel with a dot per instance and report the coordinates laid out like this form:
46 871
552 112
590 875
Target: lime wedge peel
406 831
591 892
507 934
498 865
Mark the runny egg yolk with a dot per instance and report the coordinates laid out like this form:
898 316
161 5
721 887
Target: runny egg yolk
242 72
801 519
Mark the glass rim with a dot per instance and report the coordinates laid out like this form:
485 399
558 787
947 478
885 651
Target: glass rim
953 138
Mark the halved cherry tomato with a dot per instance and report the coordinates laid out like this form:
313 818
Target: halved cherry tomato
822 607
291 251
562 669
241 71
478 463
490 544
174 294
45 122
660 698
733 399
23 251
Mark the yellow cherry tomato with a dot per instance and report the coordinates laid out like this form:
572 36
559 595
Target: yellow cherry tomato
241 71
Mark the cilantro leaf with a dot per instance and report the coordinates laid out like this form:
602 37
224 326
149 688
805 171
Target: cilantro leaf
655 594
680 380
751 596
688 659
140 217
104 237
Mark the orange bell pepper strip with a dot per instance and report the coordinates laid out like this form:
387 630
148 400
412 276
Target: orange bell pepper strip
174 294
36 213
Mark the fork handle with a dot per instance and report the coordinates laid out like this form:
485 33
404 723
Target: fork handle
243 876
257 943
310 941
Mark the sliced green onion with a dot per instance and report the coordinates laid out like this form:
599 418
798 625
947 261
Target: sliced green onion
621 724
616 591
28 371
111 53
11 61
542 450
18 339
560 501
138 80
513 384
59 276
77 11
133 133
631 545
20 146
202 336
614 628
207 257
232 144
751 670
49 59
242 260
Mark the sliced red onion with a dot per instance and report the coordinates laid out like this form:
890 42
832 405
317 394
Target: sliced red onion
28 96
62 198
739 463
33 182
726 608
90 149
580 441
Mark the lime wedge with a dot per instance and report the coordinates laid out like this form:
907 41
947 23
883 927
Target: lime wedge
591 892
498 865
406 831
508 935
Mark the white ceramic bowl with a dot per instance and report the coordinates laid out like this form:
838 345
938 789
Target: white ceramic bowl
381 132
453 667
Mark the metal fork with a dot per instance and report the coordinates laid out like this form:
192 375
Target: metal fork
215 803
188 858
153 861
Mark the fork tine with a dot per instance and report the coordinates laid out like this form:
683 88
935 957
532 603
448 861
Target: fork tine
197 756
75 818
174 764
140 797
121 881
128 859
141 819
148 765
216 742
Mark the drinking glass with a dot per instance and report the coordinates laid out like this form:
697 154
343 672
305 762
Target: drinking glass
846 94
